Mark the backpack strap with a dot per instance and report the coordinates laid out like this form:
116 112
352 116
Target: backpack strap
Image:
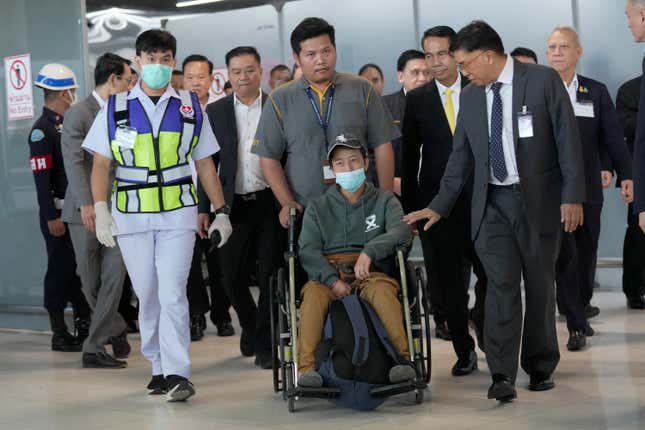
382 333
121 117
359 325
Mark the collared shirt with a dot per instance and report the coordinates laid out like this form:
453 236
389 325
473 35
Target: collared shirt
572 89
456 92
506 93
249 177
288 126
99 99
98 141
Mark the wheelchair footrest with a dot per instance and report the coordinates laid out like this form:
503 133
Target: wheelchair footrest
394 389
316 393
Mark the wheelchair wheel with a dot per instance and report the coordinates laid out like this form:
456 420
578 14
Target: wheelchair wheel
423 299
281 314
289 389
418 396
274 338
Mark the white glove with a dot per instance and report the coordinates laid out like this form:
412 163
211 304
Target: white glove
104 224
222 224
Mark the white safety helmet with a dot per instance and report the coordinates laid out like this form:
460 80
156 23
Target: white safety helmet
56 77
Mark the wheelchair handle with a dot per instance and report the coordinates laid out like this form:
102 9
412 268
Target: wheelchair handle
293 214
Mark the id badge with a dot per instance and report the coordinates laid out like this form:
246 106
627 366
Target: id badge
126 136
583 109
328 174
525 123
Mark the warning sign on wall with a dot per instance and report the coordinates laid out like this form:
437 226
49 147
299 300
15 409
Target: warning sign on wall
220 76
20 100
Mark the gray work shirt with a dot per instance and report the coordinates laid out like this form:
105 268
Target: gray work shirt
290 128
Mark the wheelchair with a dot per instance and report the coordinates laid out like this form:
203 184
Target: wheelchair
284 306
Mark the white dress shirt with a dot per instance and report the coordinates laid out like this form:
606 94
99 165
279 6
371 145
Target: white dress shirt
572 89
506 93
98 98
456 92
249 177
98 141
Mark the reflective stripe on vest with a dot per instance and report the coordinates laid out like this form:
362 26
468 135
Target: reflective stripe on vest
154 176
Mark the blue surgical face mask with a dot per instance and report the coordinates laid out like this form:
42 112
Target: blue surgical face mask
156 76
351 181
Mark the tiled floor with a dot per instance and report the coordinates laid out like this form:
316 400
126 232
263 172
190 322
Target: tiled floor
600 388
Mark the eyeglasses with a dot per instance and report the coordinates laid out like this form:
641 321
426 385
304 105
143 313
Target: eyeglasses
466 64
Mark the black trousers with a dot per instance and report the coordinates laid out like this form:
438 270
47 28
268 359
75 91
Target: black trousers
575 268
62 284
198 300
633 252
448 254
256 233
510 247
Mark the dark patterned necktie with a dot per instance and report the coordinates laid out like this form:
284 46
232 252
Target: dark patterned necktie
495 147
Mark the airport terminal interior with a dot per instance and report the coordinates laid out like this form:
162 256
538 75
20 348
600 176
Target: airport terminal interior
601 385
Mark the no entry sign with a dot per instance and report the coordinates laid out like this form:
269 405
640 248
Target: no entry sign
20 100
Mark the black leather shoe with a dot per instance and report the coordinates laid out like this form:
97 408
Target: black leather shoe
196 331
466 365
82 328
478 328
120 346
589 331
158 385
132 326
264 360
102 360
247 343
541 382
202 321
577 340
501 389
442 331
225 329
636 302
591 311
65 342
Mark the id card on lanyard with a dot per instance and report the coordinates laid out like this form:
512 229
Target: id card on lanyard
328 175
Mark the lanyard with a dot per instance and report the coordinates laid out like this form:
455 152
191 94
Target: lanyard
323 122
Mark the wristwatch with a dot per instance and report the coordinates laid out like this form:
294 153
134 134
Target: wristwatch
224 209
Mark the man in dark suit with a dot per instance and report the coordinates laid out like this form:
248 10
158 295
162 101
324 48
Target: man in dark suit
412 72
254 211
431 113
101 269
600 132
635 10
516 131
627 102
198 77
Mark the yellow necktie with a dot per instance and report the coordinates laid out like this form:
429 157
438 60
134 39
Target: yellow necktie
449 107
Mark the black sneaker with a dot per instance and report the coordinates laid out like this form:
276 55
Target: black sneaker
157 385
179 388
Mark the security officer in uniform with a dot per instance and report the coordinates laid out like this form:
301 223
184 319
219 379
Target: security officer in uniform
62 285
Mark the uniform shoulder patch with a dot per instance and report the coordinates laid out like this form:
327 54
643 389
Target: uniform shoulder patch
36 135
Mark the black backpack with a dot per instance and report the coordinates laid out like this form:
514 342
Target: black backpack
356 354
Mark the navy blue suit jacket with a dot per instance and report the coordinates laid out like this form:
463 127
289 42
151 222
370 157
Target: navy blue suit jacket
639 153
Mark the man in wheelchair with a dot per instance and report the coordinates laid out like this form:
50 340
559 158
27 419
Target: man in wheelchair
348 239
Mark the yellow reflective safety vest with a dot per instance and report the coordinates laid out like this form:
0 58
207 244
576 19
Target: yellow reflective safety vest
152 173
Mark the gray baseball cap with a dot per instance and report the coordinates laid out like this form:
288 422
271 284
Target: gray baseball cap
346 140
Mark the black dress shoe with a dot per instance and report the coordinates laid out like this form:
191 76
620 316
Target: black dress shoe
636 302
442 331
541 382
225 329
247 343
202 321
132 326
264 360
589 331
501 389
157 385
591 311
120 346
466 365
196 331
65 342
102 360
179 388
82 328
478 327
577 340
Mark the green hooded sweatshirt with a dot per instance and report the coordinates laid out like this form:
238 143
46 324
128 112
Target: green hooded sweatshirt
331 224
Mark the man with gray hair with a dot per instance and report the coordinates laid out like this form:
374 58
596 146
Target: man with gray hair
603 146
635 11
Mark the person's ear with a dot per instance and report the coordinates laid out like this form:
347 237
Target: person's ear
399 76
173 63
296 58
367 162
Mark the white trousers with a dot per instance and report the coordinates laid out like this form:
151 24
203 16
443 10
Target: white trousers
158 263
